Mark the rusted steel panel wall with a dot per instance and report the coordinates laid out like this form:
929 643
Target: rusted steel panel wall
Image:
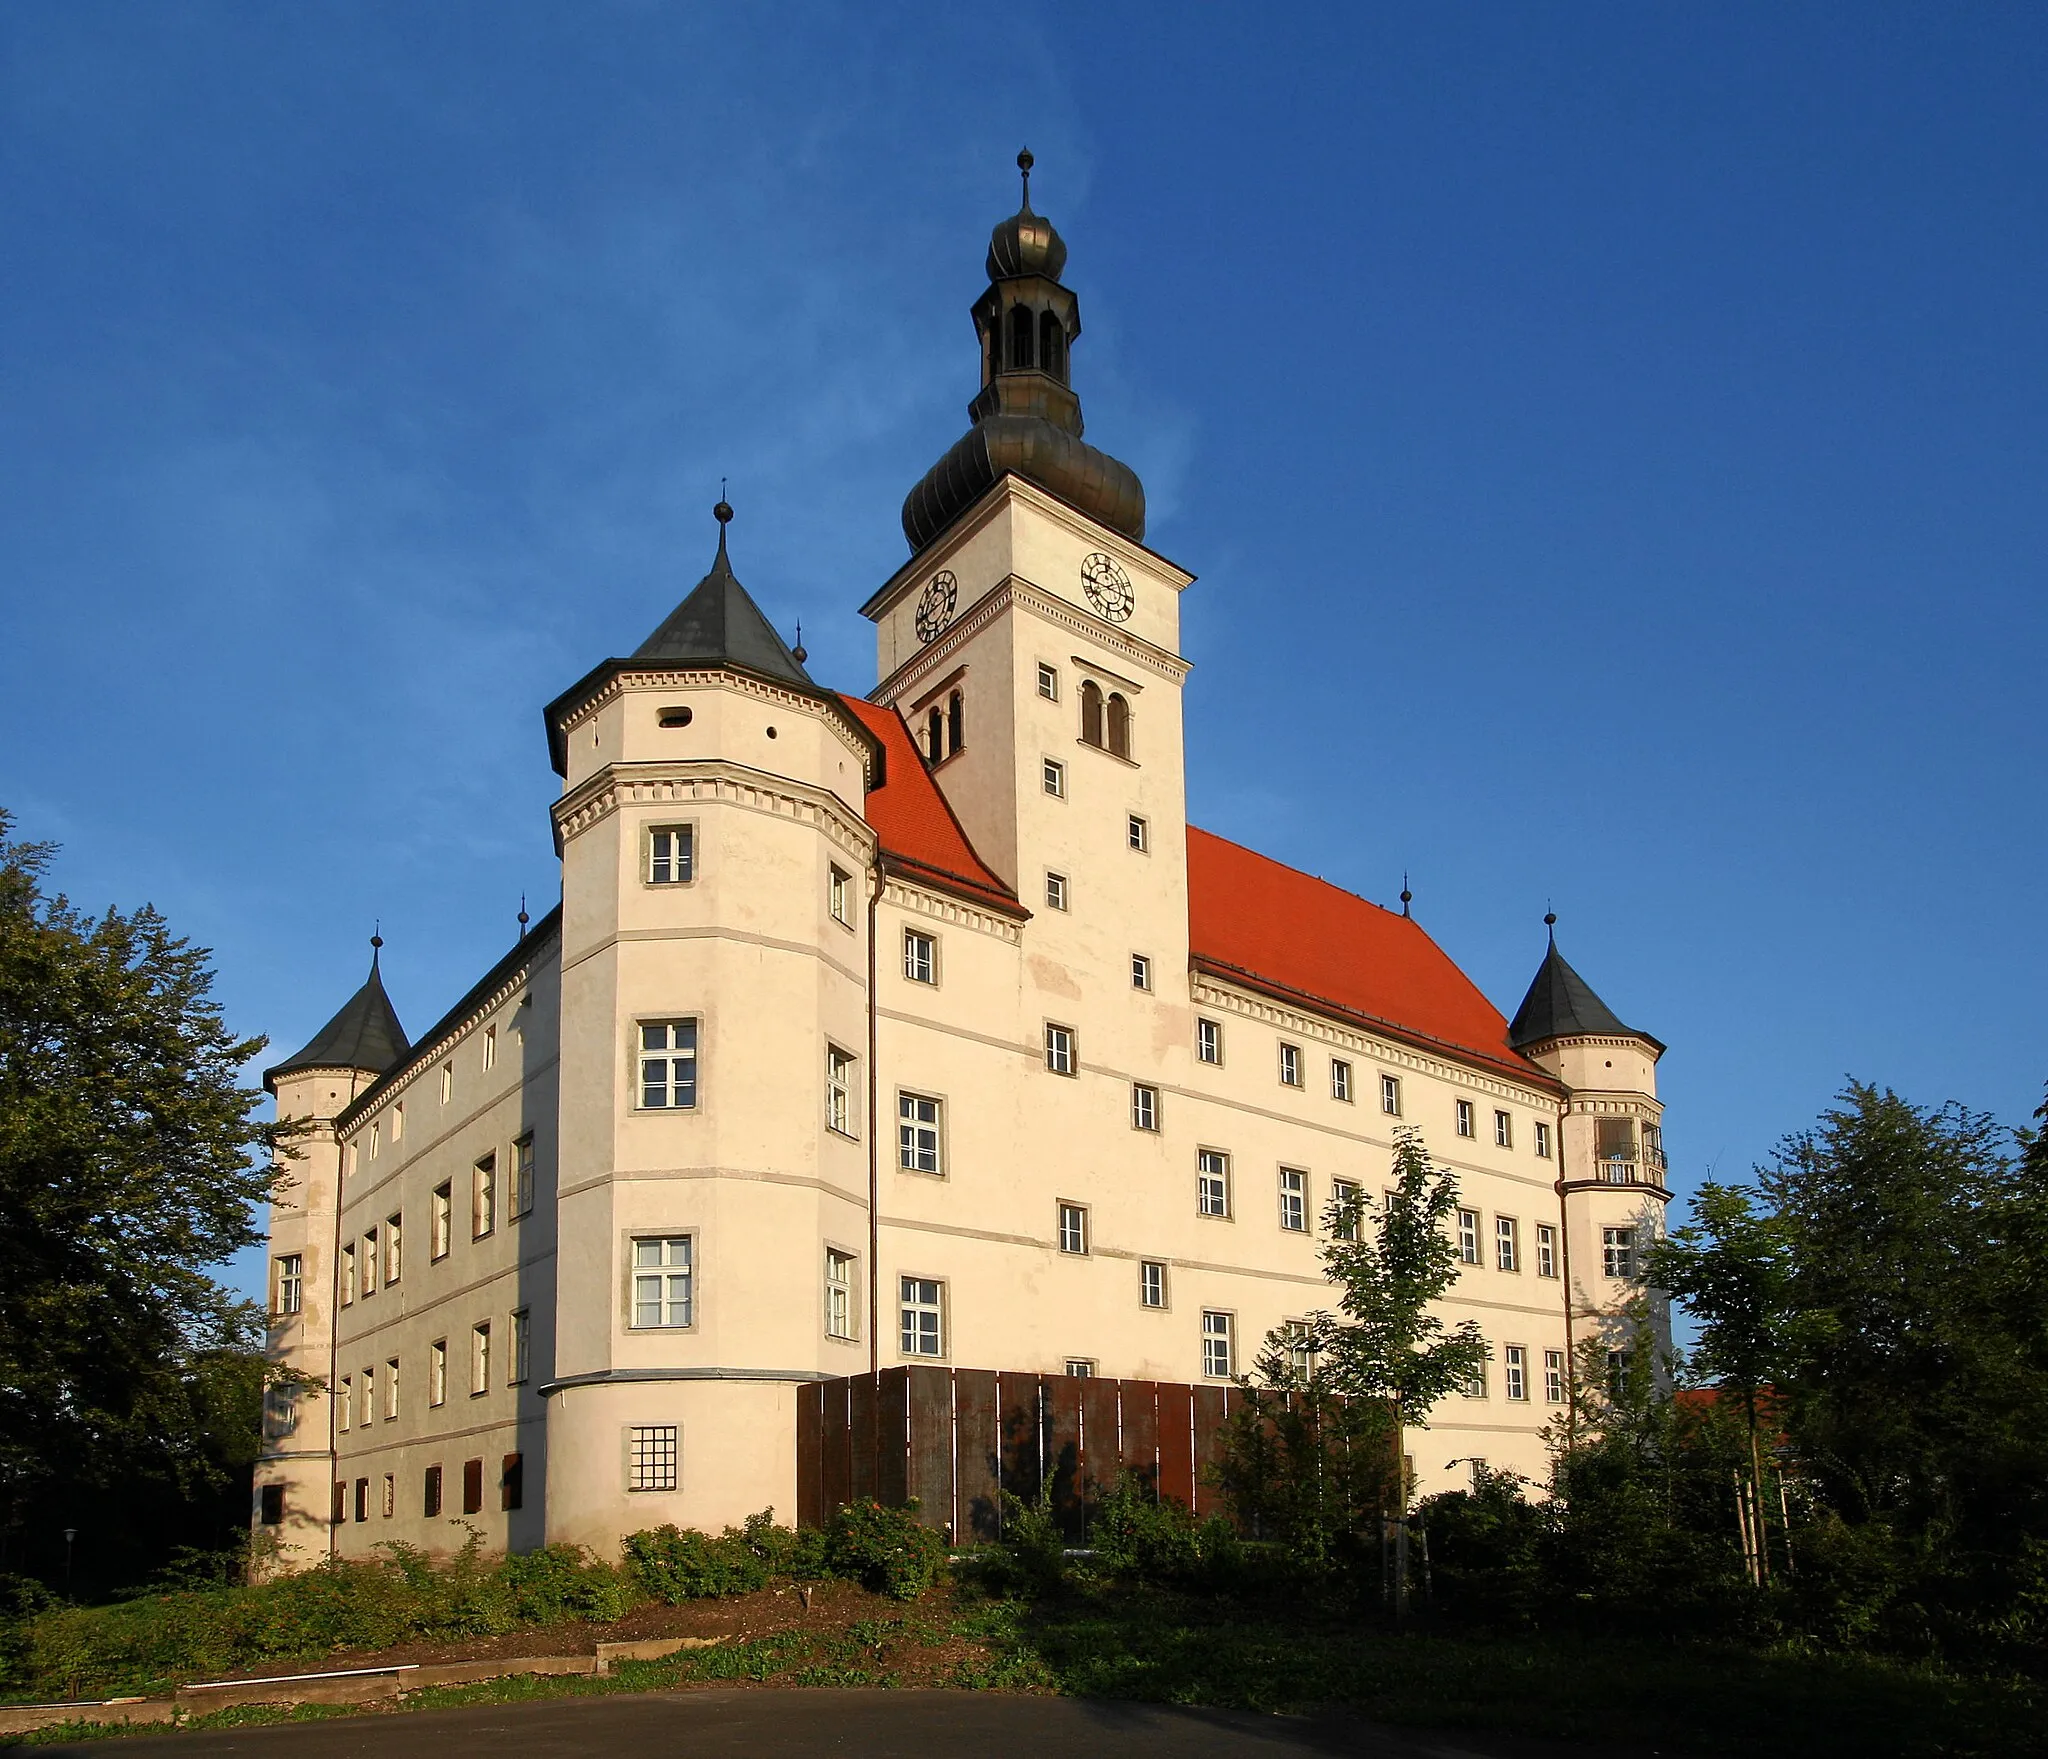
810 1456
1176 1442
930 1477
1212 1411
835 1430
978 1453
1138 1452
1100 1461
1061 1398
1023 1453
892 1437
860 1423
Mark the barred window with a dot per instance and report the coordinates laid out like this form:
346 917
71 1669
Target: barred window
668 1065
652 1454
923 1316
917 1133
662 1282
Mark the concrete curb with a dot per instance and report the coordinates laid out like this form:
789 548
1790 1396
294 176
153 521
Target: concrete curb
361 1685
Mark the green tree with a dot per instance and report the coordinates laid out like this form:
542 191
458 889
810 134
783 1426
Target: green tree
129 1163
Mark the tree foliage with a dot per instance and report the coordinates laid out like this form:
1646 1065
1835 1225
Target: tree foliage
129 1164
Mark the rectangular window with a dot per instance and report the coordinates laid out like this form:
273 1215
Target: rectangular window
1619 1362
1052 776
1073 1228
1055 891
1151 1283
512 1481
671 855
430 1492
345 1404
1390 1095
1212 1180
1048 682
1468 1236
1218 1358
920 957
522 1175
668 1065
442 1222
1059 1049
1209 1041
1515 1373
651 1456
369 1262
1144 1106
1340 1080
369 1406
472 1487
398 1122
1300 1343
447 1082
917 1133
1615 1148
839 1292
1546 1249
347 1278
662 1282
1507 1242
1080 1368
1137 833
391 1390
480 1359
1290 1065
1294 1200
362 1499
437 1372
1503 1130
1618 1253
1347 1208
376 1137
1553 1377
839 896
490 1047
838 1090
273 1505
394 1237
1475 1387
1464 1117
923 1316
483 1208
290 1296
1141 971
1542 1134
522 1347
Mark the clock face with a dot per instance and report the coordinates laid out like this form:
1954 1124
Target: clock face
1109 587
935 604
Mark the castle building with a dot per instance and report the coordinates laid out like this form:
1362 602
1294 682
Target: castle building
919 1027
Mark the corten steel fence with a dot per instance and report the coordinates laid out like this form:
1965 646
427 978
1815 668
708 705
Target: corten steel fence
956 1438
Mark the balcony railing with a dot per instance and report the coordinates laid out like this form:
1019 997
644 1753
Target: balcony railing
1622 1170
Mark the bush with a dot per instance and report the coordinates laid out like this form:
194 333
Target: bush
677 1564
1155 1541
886 1550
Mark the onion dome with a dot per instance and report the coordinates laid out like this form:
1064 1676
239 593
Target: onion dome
1027 419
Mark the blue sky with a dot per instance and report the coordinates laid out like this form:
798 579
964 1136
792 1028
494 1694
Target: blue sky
1610 440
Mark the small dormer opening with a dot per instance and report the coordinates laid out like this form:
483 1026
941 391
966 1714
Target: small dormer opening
674 717
1091 712
1021 326
1119 717
1052 346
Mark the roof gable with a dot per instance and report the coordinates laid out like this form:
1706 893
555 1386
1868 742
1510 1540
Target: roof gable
1274 928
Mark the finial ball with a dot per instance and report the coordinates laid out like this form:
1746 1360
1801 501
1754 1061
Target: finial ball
722 513
1025 161
1550 919
376 940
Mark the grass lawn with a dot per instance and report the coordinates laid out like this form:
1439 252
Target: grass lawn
1194 1652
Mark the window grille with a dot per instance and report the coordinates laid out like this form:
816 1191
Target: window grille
652 1456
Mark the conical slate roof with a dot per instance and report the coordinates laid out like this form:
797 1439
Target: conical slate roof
364 1035
719 623
1561 1004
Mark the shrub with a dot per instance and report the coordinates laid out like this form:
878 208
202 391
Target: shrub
1141 1538
677 1564
798 1552
886 1550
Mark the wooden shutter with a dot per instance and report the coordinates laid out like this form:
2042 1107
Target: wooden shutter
472 1486
512 1483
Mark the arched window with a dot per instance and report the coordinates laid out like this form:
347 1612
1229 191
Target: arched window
935 735
955 723
1091 713
1052 346
1020 338
1119 726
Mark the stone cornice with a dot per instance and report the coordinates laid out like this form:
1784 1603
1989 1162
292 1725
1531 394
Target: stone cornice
1209 991
1015 590
781 696
945 907
710 780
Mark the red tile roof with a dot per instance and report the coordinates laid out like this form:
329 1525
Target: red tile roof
920 836
1297 938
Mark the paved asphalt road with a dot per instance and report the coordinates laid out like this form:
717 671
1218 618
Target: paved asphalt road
766 1724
